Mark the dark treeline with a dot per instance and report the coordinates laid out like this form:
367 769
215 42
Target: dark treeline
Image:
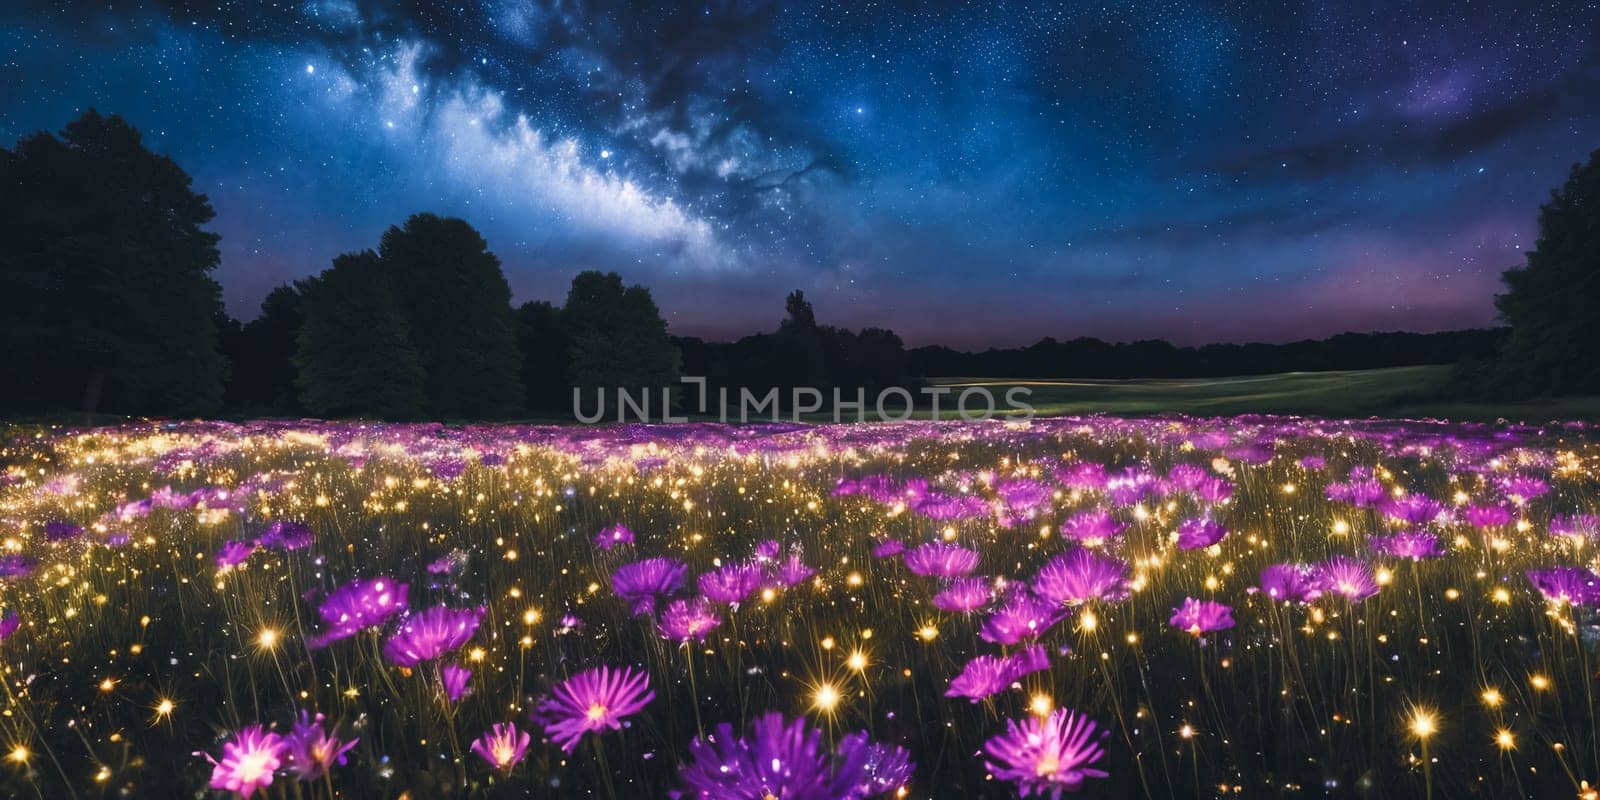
107 303
1093 358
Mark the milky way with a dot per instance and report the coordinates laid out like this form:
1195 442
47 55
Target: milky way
964 173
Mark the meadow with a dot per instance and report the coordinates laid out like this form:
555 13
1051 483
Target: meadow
1245 606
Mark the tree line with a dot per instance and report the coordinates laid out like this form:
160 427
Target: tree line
107 303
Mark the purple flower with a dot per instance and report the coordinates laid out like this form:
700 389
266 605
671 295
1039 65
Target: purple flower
1022 616
793 571
358 605
964 595
1578 526
17 566
1079 576
986 675
58 530
941 560
1194 534
1201 616
310 750
1522 488
1564 585
610 537
1084 476
944 506
780 758
1290 583
768 549
249 759
733 583
888 548
642 582
1413 509
503 746
1487 516
1089 527
428 634
593 700
447 563
1347 577
688 620
1362 493
1415 545
286 535
1047 755
453 682
234 553
9 623
1312 463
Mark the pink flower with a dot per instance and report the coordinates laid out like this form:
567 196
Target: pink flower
311 751
1201 616
432 633
248 761
503 746
1048 755
594 700
453 680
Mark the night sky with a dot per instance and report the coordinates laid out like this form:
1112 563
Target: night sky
983 173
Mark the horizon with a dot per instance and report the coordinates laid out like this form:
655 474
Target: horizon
1181 173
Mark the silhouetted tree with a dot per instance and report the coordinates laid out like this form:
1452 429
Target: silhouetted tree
354 355
263 355
544 343
458 305
616 336
1552 302
106 295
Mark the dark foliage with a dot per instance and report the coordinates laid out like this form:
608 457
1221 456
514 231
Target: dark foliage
1093 358
458 306
616 337
354 354
262 354
1552 302
544 344
106 295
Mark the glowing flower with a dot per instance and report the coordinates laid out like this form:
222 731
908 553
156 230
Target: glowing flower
453 682
733 583
688 620
593 700
642 582
1022 616
1564 585
1092 526
1201 616
780 758
1347 577
286 535
310 751
964 595
426 635
1487 516
1415 545
234 553
1522 488
358 605
941 560
794 570
1413 509
1194 534
1577 526
1290 583
17 566
503 746
59 530
986 675
610 537
888 548
1079 576
9 623
1047 755
249 759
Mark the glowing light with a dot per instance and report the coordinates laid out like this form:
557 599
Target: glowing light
1491 697
1505 739
267 638
857 661
1424 723
19 755
1041 704
825 698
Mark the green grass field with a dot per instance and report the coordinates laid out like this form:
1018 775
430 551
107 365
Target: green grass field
1396 392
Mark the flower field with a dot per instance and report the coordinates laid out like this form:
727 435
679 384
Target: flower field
1096 607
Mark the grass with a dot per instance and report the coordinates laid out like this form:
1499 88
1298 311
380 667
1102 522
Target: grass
1410 392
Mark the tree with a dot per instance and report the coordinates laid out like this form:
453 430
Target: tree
106 294
263 355
458 306
354 354
543 340
617 338
1552 302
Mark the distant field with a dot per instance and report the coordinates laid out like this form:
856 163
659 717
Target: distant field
1396 392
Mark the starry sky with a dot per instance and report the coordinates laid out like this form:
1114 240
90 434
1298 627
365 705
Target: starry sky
964 173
